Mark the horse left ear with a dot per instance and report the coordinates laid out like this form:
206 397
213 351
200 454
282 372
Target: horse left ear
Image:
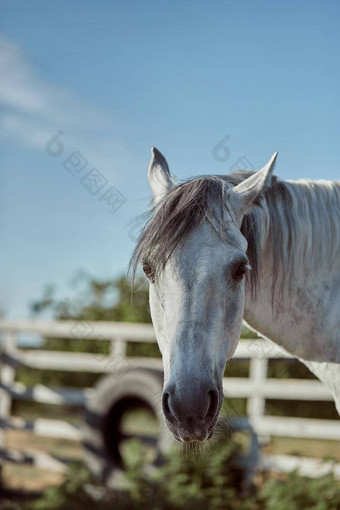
159 175
243 195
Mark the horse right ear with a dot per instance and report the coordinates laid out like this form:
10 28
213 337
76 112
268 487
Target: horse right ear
159 175
243 195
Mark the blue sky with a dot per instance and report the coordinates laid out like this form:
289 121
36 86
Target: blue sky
118 77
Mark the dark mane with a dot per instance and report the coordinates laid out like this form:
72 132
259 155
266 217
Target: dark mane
187 205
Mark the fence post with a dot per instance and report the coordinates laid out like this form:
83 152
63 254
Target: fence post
118 347
7 376
256 402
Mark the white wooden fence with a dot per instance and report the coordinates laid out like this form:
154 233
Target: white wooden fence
256 389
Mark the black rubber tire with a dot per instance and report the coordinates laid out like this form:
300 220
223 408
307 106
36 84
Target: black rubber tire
112 395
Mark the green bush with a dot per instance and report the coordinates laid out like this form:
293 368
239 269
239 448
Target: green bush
201 480
186 480
298 493
194 479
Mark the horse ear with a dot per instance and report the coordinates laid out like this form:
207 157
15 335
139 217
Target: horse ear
159 175
243 195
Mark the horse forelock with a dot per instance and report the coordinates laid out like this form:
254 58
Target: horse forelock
182 210
300 229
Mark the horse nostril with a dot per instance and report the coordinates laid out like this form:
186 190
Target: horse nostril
213 404
165 403
168 413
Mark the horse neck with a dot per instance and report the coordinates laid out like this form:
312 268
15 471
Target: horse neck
308 272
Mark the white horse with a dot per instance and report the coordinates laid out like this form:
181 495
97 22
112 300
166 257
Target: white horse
220 248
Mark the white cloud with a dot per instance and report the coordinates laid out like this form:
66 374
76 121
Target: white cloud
34 110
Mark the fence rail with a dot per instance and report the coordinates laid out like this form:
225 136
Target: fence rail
256 388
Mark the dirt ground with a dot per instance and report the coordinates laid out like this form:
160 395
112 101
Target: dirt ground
21 476
319 449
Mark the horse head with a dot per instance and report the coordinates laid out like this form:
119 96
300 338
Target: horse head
195 257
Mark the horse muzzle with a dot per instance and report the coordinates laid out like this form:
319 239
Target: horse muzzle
191 413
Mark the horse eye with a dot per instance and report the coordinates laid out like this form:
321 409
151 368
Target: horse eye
240 271
147 269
